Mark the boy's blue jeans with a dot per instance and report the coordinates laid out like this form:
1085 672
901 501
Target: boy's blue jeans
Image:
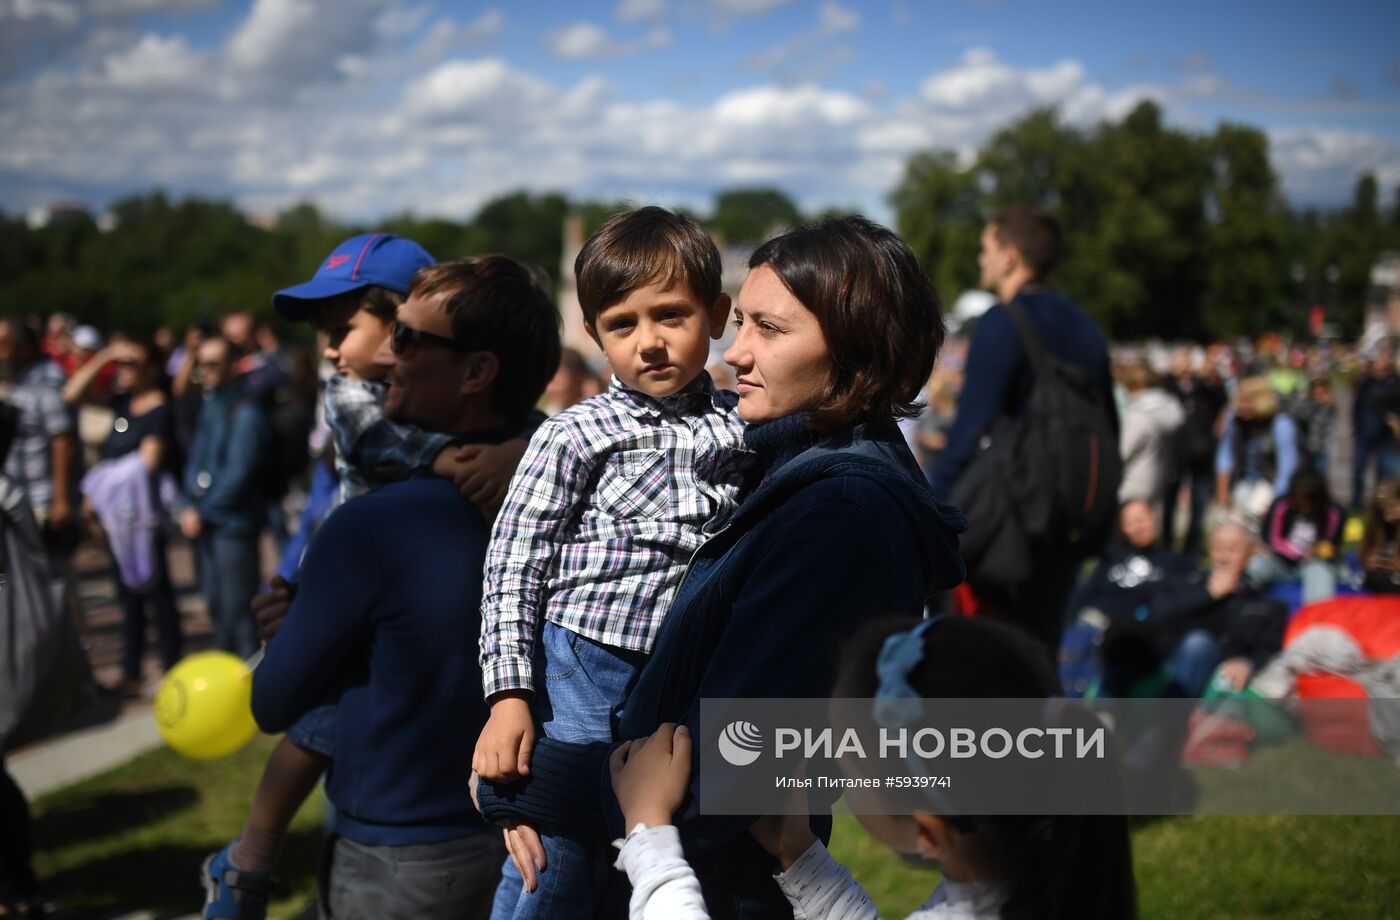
580 686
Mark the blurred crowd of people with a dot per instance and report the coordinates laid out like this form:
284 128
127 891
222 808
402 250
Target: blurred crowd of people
232 437
1239 479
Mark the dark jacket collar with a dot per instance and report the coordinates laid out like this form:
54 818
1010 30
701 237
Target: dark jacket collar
874 452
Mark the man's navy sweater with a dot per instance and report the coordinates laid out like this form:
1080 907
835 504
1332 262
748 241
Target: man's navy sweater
998 374
386 617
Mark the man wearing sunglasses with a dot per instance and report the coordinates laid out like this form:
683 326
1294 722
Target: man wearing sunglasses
386 610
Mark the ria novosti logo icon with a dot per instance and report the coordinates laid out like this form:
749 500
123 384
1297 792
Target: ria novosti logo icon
740 743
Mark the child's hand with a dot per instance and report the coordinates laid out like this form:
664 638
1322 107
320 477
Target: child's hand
504 748
786 836
650 775
482 471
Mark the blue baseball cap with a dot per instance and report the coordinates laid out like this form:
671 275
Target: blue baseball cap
379 259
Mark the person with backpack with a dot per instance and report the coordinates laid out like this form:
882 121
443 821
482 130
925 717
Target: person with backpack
1032 456
225 505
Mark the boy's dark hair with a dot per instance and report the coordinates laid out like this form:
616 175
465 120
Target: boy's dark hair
1033 232
650 245
381 302
1061 867
880 314
496 304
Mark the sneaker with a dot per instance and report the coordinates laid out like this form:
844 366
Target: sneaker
221 876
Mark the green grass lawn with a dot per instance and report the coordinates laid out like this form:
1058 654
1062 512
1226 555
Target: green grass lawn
134 838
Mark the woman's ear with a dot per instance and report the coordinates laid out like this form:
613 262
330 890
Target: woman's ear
935 836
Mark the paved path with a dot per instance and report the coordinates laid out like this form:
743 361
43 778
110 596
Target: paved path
58 762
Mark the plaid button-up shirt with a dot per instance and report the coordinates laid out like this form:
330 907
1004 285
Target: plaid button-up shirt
610 501
370 450
43 416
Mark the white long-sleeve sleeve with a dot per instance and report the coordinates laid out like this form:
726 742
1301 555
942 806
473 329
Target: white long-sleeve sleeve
664 887
820 888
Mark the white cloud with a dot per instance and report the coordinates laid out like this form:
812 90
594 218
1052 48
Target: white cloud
131 8
808 55
447 37
1322 164
477 90
284 45
35 31
740 8
835 19
981 79
581 40
635 10
586 40
383 119
154 63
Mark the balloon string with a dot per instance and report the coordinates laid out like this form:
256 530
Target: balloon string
255 660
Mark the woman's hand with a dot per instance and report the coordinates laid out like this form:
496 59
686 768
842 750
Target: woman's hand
650 776
526 851
522 842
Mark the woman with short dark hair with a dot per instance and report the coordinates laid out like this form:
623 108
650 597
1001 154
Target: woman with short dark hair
838 328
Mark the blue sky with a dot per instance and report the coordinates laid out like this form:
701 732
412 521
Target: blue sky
370 107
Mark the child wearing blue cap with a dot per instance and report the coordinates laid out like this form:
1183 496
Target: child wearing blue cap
352 299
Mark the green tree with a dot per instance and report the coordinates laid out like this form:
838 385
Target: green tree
751 215
527 227
1248 265
1353 246
1145 271
938 211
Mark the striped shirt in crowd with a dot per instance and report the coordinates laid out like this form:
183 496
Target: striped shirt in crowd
43 416
612 498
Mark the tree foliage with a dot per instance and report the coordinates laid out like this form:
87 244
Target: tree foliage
1167 232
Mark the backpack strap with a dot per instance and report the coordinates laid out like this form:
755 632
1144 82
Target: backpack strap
1035 348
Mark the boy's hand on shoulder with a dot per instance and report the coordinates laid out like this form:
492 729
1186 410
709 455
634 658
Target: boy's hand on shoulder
482 472
506 743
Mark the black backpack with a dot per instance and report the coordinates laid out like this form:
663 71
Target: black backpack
1046 479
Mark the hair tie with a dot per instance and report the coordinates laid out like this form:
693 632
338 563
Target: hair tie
897 703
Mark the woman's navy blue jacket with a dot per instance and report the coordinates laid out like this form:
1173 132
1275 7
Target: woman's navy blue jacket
842 528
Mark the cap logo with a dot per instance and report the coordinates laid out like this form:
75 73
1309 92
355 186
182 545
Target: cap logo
336 261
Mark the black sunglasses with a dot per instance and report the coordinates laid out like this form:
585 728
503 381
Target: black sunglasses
403 338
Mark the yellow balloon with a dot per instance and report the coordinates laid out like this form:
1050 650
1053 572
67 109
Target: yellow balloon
1354 530
204 705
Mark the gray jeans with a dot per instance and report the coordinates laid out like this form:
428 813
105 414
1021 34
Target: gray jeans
452 880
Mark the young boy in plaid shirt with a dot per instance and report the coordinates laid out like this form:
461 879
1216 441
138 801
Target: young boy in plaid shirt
612 498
